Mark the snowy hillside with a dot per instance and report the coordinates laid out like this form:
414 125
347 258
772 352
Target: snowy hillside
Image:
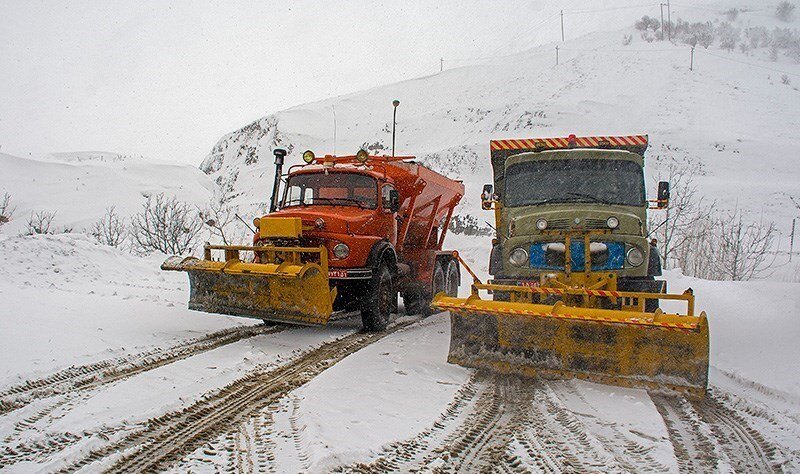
79 187
737 122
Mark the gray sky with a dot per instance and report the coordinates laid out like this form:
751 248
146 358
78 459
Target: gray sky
167 79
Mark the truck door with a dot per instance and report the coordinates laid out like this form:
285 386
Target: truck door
389 223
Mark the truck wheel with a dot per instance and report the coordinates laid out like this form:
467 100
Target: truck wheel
415 302
377 305
452 279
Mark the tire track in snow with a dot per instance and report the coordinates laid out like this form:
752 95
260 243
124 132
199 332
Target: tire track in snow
164 440
630 453
496 424
746 448
60 392
694 448
93 375
400 453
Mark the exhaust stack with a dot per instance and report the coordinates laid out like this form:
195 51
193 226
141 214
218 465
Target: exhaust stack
280 154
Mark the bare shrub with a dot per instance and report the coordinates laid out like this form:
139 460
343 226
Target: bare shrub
219 215
732 14
627 40
165 225
110 229
743 249
785 80
729 36
681 222
784 11
469 225
6 209
41 222
647 23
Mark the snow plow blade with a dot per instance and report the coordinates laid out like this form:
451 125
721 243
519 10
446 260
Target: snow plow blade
294 291
660 352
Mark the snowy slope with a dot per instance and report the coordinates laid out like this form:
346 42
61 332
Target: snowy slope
736 121
79 187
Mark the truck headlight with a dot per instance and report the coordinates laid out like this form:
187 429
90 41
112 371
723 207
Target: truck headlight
541 224
612 222
635 257
341 251
518 257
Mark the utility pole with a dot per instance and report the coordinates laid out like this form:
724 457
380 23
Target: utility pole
395 103
691 62
562 26
556 55
661 6
441 64
791 240
669 21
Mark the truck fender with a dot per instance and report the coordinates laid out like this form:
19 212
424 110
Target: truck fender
383 251
495 260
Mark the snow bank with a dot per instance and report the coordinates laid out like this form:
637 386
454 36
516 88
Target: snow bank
66 300
79 187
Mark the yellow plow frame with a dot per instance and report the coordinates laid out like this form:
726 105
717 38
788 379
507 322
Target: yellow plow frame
291 287
561 331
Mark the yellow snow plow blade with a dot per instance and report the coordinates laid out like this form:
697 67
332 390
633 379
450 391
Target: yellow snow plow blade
295 290
632 348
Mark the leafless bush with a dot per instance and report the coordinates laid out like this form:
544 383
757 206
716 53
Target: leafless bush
680 224
110 229
6 209
743 249
469 225
41 222
219 215
784 11
647 23
627 40
729 36
785 80
165 225
732 14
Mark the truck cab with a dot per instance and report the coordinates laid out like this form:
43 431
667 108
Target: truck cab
548 199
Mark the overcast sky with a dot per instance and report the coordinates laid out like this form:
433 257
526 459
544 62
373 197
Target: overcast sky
167 79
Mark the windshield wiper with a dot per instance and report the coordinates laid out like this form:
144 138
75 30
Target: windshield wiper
333 203
589 196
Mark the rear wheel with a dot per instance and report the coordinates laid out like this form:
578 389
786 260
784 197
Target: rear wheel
376 307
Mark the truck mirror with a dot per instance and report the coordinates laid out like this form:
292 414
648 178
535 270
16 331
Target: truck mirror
394 200
487 196
663 194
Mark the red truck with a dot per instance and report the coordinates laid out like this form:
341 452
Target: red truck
345 234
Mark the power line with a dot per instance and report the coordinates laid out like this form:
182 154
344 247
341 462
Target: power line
627 7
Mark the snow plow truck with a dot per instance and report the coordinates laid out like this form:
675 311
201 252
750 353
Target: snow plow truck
348 234
575 289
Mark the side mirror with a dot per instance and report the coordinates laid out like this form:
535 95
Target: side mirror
663 194
394 200
487 196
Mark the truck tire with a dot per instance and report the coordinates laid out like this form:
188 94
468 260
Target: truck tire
419 301
377 305
415 302
452 279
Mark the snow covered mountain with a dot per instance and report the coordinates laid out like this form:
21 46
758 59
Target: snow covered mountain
733 117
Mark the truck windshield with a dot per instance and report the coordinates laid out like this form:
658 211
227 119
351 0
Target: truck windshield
332 189
556 181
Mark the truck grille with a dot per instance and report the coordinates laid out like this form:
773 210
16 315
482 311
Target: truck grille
588 223
604 256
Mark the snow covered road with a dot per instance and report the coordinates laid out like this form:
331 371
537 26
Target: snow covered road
164 388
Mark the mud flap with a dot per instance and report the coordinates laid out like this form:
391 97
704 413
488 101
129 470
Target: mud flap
297 294
656 351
